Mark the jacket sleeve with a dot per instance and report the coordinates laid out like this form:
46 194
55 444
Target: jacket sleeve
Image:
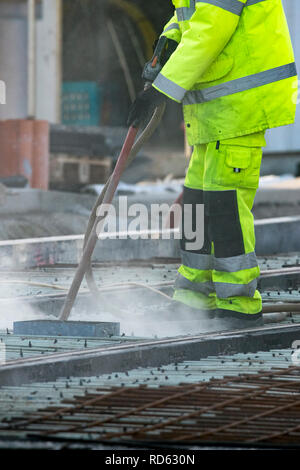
210 28
172 30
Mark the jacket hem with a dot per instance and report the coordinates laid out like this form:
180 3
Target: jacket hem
232 135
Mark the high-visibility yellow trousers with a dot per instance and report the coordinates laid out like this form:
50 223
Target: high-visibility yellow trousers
224 177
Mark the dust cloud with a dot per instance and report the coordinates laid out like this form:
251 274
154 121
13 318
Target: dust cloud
14 310
140 314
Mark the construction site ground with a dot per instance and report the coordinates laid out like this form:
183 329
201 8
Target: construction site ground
27 213
158 382
130 391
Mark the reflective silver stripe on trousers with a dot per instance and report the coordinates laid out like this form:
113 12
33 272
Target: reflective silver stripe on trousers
235 263
227 265
196 261
225 290
172 26
205 288
169 87
240 84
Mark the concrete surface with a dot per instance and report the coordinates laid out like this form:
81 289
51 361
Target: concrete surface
66 328
144 354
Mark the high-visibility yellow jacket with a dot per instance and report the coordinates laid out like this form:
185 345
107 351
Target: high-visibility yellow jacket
234 68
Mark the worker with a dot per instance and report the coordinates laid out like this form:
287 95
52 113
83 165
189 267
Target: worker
234 71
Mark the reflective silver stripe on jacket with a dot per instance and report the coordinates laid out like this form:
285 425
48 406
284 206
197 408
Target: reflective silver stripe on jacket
186 13
205 288
233 6
172 26
225 290
253 2
240 84
232 264
169 88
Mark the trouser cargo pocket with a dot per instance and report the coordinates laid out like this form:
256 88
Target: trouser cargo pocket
237 167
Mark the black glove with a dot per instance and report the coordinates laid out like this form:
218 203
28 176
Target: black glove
144 105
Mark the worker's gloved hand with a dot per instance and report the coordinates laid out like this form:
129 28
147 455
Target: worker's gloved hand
144 106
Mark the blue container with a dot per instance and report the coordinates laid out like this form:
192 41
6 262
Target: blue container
81 103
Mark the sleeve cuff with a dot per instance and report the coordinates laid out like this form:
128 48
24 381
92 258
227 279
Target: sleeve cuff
169 88
171 27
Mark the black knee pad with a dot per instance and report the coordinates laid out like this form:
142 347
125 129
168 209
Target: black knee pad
194 197
224 227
